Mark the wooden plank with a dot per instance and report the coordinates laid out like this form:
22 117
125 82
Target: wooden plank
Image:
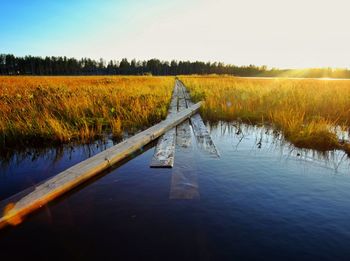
173 103
203 138
186 93
164 152
201 133
180 87
184 178
183 130
77 174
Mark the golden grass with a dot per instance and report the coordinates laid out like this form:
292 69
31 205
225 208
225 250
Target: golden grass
305 110
61 109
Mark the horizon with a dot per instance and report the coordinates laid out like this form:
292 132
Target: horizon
116 62
275 34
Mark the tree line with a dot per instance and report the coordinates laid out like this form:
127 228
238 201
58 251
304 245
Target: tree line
34 65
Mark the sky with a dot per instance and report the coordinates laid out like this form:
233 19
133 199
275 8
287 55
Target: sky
276 33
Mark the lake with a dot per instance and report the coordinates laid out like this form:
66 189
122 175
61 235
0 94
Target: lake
263 199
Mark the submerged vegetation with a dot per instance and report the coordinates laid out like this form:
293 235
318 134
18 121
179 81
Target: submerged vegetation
62 109
308 112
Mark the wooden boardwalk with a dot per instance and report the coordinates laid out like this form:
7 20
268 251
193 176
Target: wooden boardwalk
174 130
164 153
183 130
203 138
25 202
184 178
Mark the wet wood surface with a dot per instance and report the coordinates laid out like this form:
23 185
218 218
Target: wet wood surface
183 130
164 152
201 133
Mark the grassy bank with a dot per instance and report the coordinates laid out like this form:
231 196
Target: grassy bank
61 109
305 110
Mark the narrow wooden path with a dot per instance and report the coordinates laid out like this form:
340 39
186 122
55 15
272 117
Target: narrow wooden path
164 153
183 130
174 130
203 138
165 149
184 179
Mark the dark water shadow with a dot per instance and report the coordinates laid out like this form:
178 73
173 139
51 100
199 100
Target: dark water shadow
15 198
15 155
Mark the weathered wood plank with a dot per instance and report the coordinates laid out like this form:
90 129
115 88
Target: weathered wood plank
203 138
186 93
183 130
164 152
173 104
77 174
184 178
181 93
201 133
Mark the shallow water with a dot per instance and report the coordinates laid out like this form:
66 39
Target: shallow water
262 199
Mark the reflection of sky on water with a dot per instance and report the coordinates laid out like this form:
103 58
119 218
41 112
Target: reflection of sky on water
262 199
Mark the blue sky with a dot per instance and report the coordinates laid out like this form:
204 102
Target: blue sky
279 33
33 26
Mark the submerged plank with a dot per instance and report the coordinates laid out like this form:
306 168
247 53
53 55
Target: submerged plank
203 138
201 133
164 151
81 172
184 178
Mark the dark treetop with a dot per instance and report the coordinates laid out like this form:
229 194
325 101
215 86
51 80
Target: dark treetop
30 65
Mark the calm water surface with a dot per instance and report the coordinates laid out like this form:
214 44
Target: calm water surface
262 200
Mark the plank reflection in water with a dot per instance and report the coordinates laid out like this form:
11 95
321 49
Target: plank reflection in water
184 179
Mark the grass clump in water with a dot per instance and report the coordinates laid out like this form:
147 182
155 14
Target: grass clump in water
305 110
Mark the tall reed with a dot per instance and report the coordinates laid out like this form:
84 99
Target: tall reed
61 109
305 110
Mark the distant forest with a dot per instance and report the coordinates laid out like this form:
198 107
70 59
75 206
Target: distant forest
31 65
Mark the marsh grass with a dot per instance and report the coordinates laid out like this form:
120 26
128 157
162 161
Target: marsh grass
306 111
63 109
